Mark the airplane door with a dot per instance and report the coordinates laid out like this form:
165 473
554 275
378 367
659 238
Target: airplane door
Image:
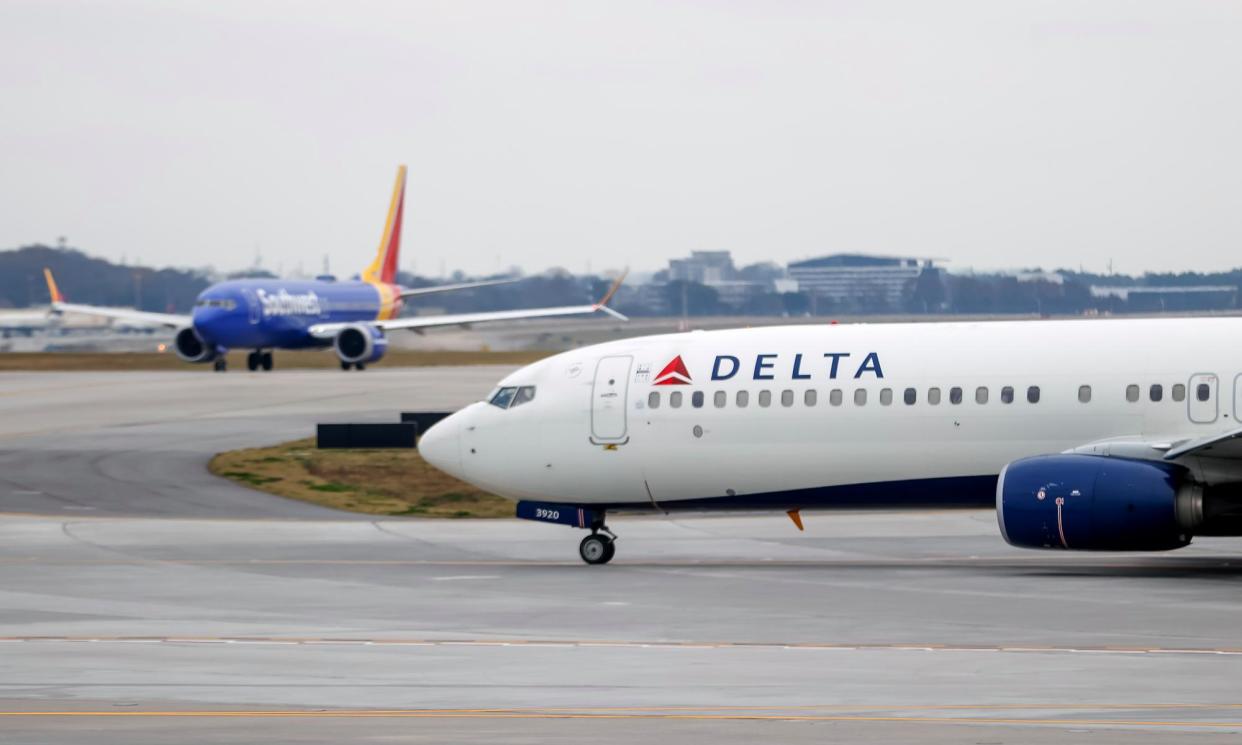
252 302
1237 398
1202 398
608 396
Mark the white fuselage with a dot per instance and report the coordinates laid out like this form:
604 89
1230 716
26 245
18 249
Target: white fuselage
886 425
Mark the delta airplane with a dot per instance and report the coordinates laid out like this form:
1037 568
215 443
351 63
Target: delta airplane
350 316
1090 435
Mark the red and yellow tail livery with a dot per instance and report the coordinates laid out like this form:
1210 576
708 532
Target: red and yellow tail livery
384 267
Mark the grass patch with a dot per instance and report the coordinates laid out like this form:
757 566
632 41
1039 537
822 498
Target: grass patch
253 479
376 482
331 486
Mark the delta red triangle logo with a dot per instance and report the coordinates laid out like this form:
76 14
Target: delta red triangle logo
674 373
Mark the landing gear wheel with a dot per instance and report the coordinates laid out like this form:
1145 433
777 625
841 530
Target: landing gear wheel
220 365
265 360
346 365
252 361
359 366
597 549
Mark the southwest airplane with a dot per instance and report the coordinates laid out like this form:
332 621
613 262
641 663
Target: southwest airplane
1090 435
350 316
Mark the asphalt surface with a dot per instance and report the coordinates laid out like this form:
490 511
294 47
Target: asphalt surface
143 601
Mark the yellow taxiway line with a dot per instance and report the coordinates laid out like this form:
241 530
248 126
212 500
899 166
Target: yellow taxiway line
796 714
923 647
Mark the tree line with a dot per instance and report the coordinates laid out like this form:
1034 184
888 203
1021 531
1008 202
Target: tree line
96 281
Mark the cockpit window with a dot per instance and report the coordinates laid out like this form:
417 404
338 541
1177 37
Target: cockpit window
507 398
524 395
216 302
503 397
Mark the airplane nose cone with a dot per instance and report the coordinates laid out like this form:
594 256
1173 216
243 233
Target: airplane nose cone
208 322
440 445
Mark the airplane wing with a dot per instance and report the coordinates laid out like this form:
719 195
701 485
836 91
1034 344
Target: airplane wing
1224 445
415 291
1220 445
418 323
123 314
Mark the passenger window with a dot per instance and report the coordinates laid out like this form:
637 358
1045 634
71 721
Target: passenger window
910 396
765 398
933 396
1179 392
1007 394
834 397
503 397
981 395
810 397
743 399
696 399
674 399
720 399
653 400
886 396
1032 394
786 398
1156 392
955 395
1084 394
1132 393
1203 391
525 395
860 397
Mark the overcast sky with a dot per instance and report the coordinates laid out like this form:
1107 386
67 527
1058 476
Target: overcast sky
990 134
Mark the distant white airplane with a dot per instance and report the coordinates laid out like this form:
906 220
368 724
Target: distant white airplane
25 319
1094 435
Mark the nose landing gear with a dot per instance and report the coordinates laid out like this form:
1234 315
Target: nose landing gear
259 359
598 548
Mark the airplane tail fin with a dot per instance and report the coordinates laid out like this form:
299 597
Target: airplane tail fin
52 289
384 267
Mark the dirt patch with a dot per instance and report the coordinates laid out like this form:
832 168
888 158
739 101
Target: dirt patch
376 482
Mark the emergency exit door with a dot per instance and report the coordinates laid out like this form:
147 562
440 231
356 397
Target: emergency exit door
1202 398
608 396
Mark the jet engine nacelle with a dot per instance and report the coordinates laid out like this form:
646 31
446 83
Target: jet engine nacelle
191 347
360 343
1096 503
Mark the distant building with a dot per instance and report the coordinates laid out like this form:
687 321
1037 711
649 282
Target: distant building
735 293
856 279
1055 278
1142 298
715 269
704 267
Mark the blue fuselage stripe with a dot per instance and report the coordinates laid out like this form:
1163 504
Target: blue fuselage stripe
951 492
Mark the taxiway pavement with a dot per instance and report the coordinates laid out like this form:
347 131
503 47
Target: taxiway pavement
142 600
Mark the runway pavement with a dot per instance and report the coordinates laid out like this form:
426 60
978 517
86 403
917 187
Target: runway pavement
143 601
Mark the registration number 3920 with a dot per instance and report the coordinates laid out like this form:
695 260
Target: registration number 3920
542 514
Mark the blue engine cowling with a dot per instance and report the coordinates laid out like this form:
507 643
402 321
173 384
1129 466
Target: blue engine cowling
1096 503
360 343
192 348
